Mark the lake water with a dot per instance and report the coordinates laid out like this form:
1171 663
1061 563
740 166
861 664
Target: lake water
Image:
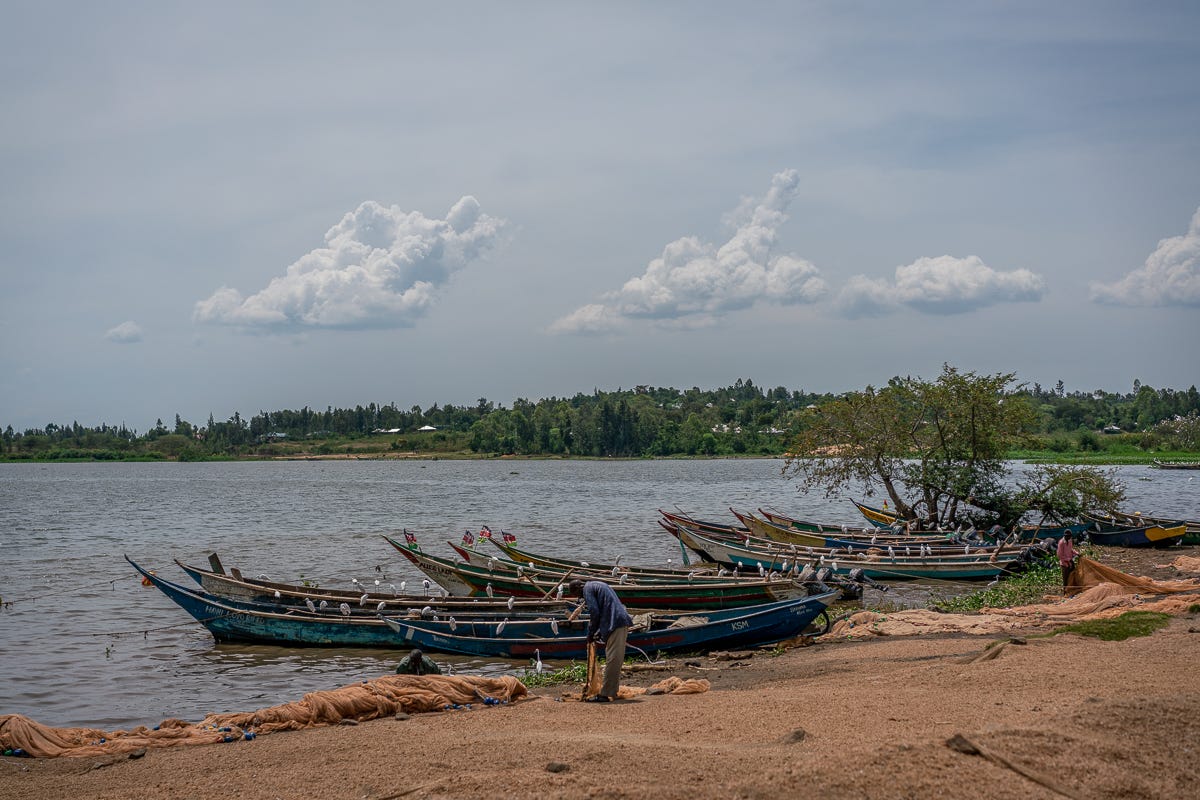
82 642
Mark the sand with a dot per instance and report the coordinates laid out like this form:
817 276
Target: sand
1063 715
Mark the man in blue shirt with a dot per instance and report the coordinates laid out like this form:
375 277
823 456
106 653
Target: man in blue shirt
608 622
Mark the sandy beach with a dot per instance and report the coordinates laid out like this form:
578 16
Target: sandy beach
1057 716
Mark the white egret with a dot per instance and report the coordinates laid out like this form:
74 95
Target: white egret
554 626
402 585
277 594
511 601
323 605
345 609
489 590
311 606
362 601
537 655
500 627
453 624
382 605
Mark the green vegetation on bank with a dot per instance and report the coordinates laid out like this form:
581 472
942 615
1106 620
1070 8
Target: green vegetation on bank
1116 629
740 420
1019 590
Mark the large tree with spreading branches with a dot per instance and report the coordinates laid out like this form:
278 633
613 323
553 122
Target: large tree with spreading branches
937 450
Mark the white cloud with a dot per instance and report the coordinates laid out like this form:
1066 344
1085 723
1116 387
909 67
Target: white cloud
381 268
694 281
1170 276
941 285
127 332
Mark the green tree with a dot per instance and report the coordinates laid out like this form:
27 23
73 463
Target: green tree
937 449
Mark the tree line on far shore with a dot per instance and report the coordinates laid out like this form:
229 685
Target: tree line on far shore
742 419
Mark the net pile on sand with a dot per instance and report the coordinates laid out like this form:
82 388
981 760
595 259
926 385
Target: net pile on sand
381 697
671 685
1183 564
1095 592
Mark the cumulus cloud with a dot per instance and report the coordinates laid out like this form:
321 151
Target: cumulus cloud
941 285
694 281
1170 276
381 268
127 332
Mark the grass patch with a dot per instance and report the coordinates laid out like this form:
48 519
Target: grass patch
1019 590
1126 626
1194 608
575 672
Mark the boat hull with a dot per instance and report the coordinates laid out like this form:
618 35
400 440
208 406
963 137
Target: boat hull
747 627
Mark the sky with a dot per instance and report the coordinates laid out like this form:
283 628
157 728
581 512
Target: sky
242 207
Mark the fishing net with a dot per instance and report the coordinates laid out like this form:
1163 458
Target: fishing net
381 697
1095 592
1089 573
1183 564
671 685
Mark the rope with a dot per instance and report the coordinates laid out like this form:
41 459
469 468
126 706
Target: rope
112 584
145 631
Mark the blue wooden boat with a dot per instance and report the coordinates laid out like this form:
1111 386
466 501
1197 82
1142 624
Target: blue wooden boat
1104 533
749 626
1138 520
236 621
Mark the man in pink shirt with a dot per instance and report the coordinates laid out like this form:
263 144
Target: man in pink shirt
1066 557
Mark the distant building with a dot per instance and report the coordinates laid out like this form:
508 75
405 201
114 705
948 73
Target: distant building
1113 429
426 428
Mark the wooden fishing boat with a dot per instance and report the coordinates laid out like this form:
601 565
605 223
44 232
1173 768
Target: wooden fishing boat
879 517
1137 520
1028 533
514 557
1103 533
235 587
874 563
748 626
1175 464
808 526
461 578
716 529
767 529
234 621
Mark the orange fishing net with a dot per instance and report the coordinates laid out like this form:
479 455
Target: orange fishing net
381 697
1095 592
1183 564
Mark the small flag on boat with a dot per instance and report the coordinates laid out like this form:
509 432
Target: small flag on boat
508 537
410 538
468 538
485 532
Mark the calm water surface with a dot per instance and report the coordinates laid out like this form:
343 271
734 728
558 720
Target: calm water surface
83 643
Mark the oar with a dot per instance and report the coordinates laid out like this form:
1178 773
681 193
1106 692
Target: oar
560 582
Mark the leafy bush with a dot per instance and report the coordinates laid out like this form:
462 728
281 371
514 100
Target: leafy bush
1019 590
575 672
